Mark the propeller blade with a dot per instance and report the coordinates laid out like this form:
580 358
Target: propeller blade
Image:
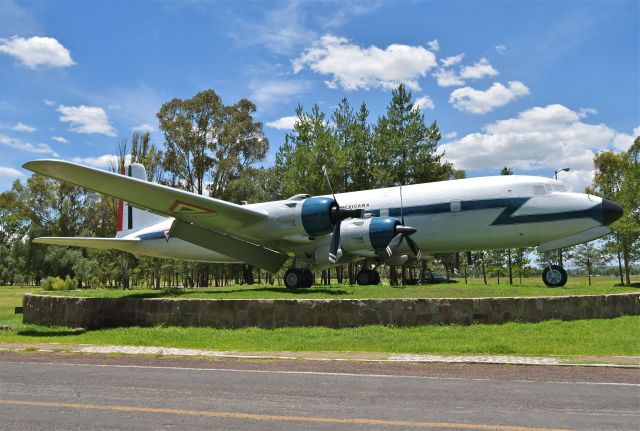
326 177
335 242
414 248
406 230
394 243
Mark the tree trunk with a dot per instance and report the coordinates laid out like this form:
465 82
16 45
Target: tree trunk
509 263
484 270
627 275
620 268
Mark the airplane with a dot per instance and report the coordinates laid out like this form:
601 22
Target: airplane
392 225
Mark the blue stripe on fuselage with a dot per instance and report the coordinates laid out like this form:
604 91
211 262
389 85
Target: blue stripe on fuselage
506 217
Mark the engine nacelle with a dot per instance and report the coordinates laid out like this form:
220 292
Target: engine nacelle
367 237
315 215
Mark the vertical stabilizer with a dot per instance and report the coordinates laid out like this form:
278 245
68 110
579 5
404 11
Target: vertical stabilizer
129 217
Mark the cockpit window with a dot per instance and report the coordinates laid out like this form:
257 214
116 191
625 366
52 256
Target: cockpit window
559 188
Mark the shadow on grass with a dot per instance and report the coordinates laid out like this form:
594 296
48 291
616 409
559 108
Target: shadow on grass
196 293
48 333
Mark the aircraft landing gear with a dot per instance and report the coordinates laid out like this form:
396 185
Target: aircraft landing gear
554 276
296 278
368 277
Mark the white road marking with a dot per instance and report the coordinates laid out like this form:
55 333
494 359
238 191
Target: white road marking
323 373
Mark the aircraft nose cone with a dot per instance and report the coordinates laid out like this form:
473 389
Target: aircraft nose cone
611 211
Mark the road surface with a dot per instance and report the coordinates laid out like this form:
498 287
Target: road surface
82 392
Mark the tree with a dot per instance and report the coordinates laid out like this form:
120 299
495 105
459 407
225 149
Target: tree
405 148
617 177
587 257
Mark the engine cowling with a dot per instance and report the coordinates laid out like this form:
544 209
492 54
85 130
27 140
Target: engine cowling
367 237
316 215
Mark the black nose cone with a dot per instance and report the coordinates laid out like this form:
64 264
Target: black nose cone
611 211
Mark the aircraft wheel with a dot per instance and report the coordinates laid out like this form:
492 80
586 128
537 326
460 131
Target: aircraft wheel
307 277
555 276
375 277
363 277
293 278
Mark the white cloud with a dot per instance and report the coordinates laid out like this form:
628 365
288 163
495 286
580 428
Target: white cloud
480 102
21 127
86 119
37 51
501 49
447 78
353 67
451 61
144 128
548 137
585 112
19 144
49 102
59 139
9 172
451 135
284 123
434 45
106 161
478 70
424 102
276 91
623 141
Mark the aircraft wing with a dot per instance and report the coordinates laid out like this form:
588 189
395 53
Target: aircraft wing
103 243
206 212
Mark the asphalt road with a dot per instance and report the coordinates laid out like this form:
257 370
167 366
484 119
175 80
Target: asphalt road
60 392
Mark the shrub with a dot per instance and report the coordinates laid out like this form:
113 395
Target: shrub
58 284
47 283
70 283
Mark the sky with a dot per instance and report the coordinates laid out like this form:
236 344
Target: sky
536 86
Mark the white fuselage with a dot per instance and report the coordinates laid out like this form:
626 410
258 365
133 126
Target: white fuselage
458 215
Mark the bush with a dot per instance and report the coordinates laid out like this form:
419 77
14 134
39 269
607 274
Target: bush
70 283
47 283
51 283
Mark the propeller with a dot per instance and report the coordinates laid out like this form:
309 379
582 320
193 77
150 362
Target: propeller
403 232
337 214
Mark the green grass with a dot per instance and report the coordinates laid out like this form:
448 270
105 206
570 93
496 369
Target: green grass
533 287
577 338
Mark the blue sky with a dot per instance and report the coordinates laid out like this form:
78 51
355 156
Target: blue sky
534 85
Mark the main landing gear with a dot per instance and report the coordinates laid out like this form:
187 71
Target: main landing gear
296 278
554 276
368 277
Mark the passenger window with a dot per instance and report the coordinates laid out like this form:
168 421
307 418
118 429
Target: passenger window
456 206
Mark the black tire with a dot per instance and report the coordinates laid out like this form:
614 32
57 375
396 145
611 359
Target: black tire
555 276
307 277
363 277
293 278
375 277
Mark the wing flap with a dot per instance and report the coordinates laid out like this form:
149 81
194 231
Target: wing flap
204 211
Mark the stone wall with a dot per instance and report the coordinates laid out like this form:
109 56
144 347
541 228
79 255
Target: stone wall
92 313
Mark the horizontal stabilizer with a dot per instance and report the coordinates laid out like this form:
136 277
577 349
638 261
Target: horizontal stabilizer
102 243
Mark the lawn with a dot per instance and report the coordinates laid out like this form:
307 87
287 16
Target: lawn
475 289
577 338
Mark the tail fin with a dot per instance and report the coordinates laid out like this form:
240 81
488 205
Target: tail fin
130 217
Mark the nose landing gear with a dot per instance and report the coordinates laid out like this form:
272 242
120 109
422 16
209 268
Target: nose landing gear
554 276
